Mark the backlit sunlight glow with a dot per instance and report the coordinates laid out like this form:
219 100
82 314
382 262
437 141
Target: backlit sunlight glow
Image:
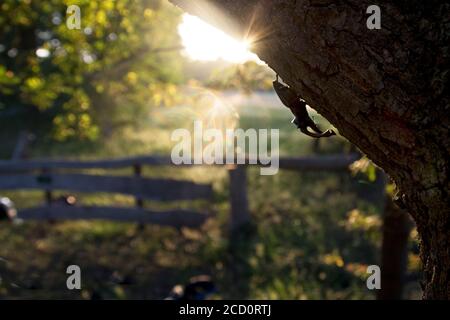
205 42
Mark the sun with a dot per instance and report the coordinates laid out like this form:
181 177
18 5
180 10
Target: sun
205 42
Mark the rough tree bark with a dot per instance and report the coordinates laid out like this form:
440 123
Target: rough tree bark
384 90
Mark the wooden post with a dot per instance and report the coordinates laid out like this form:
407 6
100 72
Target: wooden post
239 214
394 252
137 168
47 193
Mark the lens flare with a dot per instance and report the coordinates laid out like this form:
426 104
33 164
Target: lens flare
205 42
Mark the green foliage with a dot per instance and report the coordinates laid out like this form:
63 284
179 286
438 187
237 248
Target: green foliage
366 167
74 83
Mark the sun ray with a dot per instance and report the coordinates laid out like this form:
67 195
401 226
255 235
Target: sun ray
205 42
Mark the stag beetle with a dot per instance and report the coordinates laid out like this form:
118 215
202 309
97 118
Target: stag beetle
298 107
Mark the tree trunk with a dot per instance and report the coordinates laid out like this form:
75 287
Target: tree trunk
382 89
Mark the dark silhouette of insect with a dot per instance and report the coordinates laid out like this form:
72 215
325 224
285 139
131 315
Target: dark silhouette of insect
298 107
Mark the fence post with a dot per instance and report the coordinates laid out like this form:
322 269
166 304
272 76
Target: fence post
239 214
394 251
137 168
48 193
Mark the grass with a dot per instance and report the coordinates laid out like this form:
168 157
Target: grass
312 235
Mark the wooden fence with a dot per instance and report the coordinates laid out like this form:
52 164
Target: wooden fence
46 175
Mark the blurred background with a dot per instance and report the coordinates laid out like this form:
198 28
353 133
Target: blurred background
118 87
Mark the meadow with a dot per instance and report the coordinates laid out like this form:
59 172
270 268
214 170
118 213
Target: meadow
312 234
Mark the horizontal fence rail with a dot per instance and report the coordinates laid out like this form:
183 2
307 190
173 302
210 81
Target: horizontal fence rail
25 165
145 188
340 162
325 162
173 218
46 176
